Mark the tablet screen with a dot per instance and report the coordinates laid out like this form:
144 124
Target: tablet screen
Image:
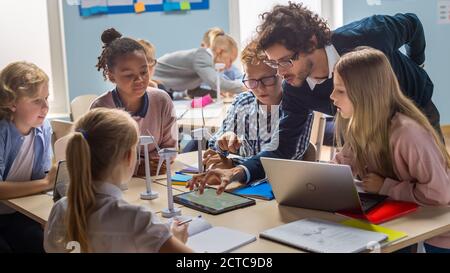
62 181
210 202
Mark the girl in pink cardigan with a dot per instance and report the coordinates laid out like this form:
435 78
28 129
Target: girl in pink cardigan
124 62
389 143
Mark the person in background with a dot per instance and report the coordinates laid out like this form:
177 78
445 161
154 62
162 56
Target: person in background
187 69
150 53
231 74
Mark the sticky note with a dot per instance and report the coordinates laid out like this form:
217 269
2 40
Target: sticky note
185 5
181 177
139 7
393 235
171 6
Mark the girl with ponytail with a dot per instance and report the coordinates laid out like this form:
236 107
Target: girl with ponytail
101 155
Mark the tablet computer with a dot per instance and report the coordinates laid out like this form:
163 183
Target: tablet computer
62 181
212 203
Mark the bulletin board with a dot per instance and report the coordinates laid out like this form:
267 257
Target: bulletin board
95 7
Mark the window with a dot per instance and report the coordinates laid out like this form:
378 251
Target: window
244 15
33 34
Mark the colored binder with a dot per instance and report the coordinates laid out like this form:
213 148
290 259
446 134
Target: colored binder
260 189
386 211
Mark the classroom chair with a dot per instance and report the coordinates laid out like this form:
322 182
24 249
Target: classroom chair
80 105
318 135
60 148
311 153
60 129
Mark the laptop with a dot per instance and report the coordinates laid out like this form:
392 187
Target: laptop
320 186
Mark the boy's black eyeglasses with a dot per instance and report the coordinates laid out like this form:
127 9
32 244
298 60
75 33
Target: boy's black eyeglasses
266 81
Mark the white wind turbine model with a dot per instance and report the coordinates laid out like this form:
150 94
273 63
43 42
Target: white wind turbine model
200 134
148 194
219 67
167 154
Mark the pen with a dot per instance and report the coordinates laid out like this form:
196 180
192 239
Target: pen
184 222
188 220
256 183
223 153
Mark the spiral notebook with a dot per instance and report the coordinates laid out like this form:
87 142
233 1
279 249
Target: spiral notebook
205 238
322 236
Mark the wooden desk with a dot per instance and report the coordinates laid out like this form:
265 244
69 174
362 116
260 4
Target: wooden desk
38 207
421 225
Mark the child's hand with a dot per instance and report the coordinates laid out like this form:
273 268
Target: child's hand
215 160
180 232
372 183
229 141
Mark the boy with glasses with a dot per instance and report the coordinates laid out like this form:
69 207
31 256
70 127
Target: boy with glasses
253 117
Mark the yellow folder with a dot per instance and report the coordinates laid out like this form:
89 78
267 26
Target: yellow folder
393 235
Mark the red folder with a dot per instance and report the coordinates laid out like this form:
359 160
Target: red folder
386 211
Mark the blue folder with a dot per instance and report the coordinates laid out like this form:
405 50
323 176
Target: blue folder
260 189
179 177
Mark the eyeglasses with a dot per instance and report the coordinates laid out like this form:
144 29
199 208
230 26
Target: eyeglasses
282 64
266 81
152 62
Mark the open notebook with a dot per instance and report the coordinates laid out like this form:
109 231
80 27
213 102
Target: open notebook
323 236
204 238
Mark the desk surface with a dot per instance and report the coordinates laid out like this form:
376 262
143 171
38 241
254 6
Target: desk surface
421 225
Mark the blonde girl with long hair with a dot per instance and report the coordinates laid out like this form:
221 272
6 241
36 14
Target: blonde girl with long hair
101 156
386 139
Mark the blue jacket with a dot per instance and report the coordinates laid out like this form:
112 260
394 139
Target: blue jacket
386 33
11 141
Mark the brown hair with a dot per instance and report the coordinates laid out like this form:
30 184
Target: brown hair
375 93
293 26
114 46
17 80
252 55
102 138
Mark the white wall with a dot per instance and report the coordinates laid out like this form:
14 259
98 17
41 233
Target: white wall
30 30
167 31
25 34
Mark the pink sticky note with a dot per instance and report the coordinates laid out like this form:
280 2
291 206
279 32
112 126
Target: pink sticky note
201 102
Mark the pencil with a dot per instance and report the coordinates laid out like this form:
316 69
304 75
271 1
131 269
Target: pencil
184 222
